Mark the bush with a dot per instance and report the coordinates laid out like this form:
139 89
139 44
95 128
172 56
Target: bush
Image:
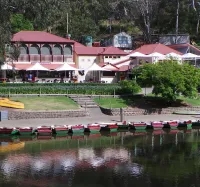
130 87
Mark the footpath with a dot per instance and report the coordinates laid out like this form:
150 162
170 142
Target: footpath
95 116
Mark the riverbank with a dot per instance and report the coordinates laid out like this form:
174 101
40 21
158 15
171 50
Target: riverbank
91 119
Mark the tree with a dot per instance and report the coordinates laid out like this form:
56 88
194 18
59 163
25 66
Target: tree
18 23
130 87
170 79
145 13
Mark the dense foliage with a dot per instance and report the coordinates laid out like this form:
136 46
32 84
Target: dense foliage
99 17
170 79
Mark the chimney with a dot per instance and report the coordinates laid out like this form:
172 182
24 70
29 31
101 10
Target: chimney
68 36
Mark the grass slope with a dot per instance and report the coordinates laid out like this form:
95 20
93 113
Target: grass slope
111 102
149 101
46 103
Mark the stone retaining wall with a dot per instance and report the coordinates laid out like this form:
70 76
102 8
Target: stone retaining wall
148 111
15 115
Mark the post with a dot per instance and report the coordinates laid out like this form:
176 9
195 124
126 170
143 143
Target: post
9 93
40 91
85 106
67 23
114 93
121 114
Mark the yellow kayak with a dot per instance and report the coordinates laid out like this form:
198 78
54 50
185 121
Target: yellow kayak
11 147
5 102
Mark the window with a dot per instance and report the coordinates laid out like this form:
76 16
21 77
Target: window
67 50
114 57
57 50
23 50
108 73
46 49
106 56
122 40
110 56
34 50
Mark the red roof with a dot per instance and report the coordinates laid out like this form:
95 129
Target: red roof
84 50
159 48
122 61
113 51
124 68
110 67
39 36
185 48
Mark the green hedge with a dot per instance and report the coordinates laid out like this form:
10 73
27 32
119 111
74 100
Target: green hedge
94 89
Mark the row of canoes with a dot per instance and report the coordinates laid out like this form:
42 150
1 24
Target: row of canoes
97 127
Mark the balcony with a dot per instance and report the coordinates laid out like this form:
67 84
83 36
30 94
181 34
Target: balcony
68 58
34 58
57 58
23 58
46 58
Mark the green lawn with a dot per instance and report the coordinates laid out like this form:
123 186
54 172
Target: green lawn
144 102
193 102
111 102
47 103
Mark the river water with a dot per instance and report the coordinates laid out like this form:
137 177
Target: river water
147 159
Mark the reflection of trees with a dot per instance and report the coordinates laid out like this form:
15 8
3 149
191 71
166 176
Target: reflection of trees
171 161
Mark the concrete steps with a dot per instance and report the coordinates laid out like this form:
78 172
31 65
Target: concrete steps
84 101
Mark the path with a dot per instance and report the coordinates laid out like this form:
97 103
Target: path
95 117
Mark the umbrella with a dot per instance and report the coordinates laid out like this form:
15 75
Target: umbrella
7 67
65 67
190 56
95 67
37 67
137 54
174 56
156 56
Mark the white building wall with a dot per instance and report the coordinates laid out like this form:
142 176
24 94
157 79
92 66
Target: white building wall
84 63
111 59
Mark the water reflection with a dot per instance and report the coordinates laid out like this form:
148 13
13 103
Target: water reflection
153 158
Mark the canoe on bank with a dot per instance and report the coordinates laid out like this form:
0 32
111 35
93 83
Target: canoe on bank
5 102
187 112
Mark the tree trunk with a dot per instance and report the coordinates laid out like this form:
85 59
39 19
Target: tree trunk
197 28
177 20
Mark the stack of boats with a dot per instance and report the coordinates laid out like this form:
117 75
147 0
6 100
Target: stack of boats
98 127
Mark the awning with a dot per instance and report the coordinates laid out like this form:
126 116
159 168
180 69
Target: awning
37 67
51 66
48 66
22 66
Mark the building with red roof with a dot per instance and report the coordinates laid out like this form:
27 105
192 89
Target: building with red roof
159 48
52 51
185 48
